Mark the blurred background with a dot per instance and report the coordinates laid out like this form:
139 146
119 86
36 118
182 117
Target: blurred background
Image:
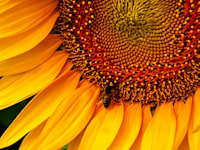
7 116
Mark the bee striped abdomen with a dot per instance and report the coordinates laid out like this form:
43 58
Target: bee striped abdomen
106 100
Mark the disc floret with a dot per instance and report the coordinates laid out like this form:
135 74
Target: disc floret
148 50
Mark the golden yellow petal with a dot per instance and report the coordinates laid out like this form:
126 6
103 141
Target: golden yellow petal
182 113
160 132
31 58
7 4
16 88
3 2
74 145
67 67
15 45
27 143
103 128
184 145
146 117
196 111
194 140
70 118
40 108
24 16
130 127
194 126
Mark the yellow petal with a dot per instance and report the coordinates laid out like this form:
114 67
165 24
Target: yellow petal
160 132
184 145
8 4
70 118
194 126
67 67
103 128
196 111
73 145
40 108
16 88
3 2
24 16
146 117
25 41
27 142
130 127
182 113
31 58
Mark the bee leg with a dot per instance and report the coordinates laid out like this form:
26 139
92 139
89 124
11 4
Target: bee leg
116 101
99 103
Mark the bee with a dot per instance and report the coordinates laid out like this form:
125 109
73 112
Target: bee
106 100
107 96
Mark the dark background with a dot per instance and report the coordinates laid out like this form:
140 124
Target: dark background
7 116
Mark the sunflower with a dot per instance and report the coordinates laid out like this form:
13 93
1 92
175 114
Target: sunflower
105 74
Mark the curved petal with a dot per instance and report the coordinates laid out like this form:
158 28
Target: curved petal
73 145
31 58
146 117
24 16
8 4
194 126
70 118
27 142
160 132
184 144
40 108
3 2
16 88
15 45
196 111
130 127
182 113
103 128
67 67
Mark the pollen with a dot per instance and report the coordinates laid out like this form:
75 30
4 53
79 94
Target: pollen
147 50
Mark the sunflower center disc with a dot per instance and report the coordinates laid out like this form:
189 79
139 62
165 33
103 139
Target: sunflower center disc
148 50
